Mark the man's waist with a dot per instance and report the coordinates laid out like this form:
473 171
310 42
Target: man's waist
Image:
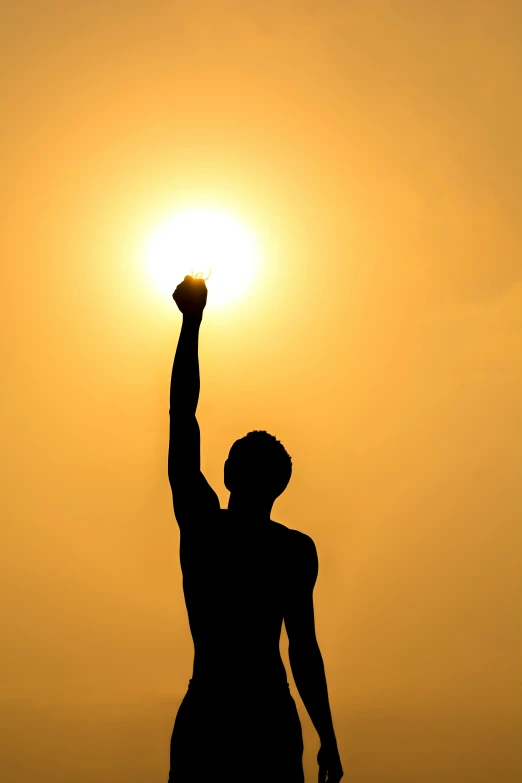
237 685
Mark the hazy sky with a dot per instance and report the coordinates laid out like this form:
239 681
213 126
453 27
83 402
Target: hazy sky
374 147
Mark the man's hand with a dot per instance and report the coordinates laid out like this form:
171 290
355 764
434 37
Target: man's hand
191 296
329 764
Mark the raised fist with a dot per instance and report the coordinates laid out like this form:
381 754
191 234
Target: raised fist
191 295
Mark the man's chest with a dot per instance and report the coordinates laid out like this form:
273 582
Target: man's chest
230 565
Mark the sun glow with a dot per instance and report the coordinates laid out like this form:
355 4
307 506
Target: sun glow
205 241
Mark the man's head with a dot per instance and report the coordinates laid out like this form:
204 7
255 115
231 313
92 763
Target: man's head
258 467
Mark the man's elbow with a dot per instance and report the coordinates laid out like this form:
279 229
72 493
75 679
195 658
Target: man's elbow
182 407
176 478
174 470
304 650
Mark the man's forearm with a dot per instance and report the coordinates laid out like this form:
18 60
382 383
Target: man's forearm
184 384
310 679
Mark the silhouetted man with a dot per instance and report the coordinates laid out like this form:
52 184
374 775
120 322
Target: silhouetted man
242 574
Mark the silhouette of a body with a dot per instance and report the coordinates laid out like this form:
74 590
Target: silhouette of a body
243 574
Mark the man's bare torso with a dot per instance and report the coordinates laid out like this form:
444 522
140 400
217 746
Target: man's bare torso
234 581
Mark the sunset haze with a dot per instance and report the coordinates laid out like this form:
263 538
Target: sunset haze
374 151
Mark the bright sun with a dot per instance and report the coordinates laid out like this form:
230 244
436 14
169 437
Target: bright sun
203 240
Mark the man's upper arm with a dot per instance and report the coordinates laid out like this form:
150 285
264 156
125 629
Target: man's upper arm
193 497
299 602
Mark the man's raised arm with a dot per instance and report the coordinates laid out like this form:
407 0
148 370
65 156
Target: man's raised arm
191 492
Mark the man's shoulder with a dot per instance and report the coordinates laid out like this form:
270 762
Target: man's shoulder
299 555
295 537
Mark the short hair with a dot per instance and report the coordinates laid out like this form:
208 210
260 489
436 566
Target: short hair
266 459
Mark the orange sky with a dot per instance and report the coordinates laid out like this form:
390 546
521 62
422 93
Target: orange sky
375 149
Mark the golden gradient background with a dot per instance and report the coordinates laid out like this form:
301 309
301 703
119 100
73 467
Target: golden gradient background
375 149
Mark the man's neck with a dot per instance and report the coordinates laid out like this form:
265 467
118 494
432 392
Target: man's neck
254 513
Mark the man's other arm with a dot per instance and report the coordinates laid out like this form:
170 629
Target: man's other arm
305 656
